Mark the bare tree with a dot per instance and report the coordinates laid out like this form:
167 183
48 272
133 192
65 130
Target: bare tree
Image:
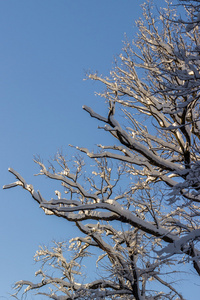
139 203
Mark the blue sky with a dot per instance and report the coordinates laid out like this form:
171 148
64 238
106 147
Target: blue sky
46 48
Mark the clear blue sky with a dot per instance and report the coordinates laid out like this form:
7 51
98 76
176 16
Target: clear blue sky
46 47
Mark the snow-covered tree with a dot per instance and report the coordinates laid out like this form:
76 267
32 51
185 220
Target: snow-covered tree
138 205
193 7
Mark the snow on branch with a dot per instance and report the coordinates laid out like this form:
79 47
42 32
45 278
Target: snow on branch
93 114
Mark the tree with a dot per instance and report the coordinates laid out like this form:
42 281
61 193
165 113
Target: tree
193 6
139 203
